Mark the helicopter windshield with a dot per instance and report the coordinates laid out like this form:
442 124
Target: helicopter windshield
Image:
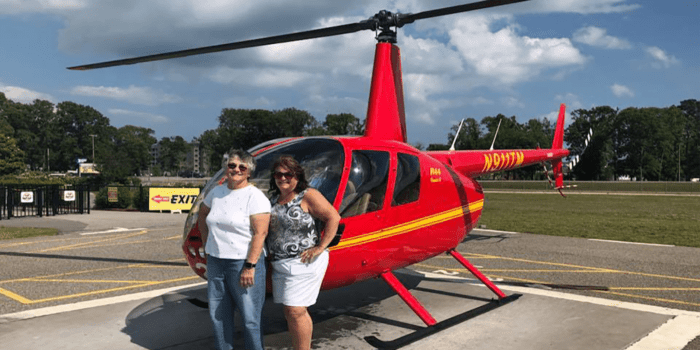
321 158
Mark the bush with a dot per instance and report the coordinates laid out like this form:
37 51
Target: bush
124 198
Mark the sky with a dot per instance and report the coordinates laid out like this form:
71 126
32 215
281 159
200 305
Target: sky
518 60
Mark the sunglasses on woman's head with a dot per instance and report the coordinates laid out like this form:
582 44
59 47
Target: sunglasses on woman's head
279 175
241 166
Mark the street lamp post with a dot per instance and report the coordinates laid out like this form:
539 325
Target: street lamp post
93 148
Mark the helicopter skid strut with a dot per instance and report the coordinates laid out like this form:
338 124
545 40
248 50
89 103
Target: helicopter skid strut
432 325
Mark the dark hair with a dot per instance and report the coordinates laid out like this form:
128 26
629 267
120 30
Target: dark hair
295 168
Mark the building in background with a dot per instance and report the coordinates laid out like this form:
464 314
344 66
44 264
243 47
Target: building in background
197 160
195 163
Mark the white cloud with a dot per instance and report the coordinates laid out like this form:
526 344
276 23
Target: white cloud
140 116
40 6
265 78
598 37
133 94
621 91
506 57
511 101
662 59
582 7
22 95
247 102
571 101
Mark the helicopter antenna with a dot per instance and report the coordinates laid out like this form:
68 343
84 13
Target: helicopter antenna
494 136
452 148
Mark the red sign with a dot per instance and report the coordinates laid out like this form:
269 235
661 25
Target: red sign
159 199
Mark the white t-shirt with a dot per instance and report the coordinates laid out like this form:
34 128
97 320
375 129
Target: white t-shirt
229 219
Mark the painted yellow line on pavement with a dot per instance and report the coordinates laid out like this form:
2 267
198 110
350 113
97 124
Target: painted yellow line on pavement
25 301
140 265
86 281
597 269
637 296
652 289
14 296
73 246
541 270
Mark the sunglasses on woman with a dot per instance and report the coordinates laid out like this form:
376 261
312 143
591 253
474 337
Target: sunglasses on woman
241 166
279 175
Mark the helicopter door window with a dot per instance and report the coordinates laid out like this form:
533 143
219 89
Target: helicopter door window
367 183
407 188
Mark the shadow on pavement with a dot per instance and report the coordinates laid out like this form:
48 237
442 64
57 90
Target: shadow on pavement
175 321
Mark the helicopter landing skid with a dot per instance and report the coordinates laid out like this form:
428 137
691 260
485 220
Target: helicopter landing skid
430 330
433 326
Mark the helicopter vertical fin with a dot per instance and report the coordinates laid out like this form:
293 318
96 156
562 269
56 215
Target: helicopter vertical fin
558 143
386 117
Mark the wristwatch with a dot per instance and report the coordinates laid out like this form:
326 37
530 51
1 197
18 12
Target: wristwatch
248 265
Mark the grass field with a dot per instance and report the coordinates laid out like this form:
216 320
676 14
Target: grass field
634 218
23 232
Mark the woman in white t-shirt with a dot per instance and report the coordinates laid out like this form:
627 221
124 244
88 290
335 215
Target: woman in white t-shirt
234 220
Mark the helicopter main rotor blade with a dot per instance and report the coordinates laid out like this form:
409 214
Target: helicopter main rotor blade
310 34
382 20
411 17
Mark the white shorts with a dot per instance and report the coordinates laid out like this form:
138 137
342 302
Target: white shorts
297 284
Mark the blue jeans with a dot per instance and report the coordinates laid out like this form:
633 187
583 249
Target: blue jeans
226 295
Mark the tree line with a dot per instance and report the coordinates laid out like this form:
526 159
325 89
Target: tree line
646 143
44 137
650 143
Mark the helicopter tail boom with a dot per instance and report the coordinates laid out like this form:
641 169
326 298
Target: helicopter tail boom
475 163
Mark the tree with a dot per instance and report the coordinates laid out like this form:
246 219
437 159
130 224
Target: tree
135 143
470 136
689 142
343 124
77 123
173 153
11 157
598 161
245 128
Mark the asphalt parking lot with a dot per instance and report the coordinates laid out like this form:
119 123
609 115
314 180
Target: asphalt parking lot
96 277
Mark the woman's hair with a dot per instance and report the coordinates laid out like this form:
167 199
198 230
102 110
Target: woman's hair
244 156
295 168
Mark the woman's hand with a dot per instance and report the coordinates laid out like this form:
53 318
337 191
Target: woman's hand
308 255
247 277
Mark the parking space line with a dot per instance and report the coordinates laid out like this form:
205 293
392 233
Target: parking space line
599 269
577 269
27 301
14 296
76 245
114 230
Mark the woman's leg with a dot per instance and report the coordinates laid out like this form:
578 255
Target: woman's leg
220 303
249 302
300 326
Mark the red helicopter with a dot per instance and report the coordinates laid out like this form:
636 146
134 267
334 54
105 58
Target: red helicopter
399 205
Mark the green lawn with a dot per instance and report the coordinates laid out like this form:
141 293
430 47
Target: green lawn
23 232
649 219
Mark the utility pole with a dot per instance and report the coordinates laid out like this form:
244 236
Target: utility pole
93 148
679 162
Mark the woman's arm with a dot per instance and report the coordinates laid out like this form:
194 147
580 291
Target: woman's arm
321 209
202 223
259 224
